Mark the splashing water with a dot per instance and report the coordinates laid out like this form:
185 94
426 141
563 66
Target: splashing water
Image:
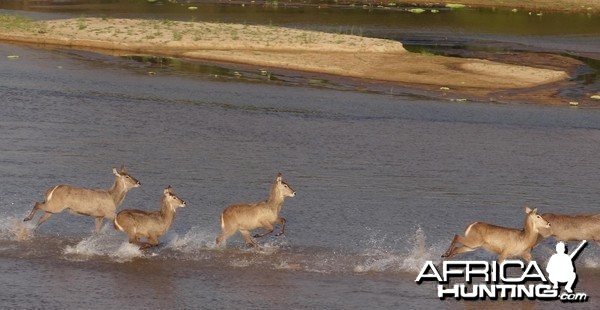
379 253
13 228
126 253
103 245
384 259
420 253
193 241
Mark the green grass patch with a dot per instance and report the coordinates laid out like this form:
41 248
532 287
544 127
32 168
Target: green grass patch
177 35
81 23
20 23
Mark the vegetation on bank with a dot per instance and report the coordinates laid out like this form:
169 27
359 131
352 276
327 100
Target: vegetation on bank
13 23
189 34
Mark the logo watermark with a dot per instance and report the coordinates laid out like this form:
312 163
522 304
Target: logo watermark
510 279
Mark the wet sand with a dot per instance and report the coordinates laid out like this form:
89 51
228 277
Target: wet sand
338 54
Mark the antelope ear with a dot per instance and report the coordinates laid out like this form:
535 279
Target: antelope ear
528 210
168 190
123 168
279 177
115 172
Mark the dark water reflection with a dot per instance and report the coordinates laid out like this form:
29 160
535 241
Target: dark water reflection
347 17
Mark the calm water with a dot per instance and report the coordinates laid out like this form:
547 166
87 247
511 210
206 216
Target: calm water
383 181
383 184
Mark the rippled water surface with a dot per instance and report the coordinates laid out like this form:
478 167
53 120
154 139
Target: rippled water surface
384 182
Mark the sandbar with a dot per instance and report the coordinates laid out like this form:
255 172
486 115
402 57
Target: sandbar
343 55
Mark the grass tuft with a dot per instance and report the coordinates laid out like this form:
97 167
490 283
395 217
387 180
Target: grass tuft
20 23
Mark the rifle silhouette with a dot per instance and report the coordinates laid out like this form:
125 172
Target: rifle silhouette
574 253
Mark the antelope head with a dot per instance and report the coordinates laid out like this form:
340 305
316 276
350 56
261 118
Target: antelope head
170 199
127 180
284 188
536 221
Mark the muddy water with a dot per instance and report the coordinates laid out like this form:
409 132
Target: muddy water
383 182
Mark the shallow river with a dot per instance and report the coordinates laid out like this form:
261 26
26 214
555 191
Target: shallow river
383 183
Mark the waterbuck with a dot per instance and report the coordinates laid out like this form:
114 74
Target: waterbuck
506 242
151 225
572 227
245 217
91 202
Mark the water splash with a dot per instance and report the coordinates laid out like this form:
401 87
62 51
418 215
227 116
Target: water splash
126 253
389 259
591 262
378 253
14 229
199 239
420 253
289 266
89 246
103 245
194 240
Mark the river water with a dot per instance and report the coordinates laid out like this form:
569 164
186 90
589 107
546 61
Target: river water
383 183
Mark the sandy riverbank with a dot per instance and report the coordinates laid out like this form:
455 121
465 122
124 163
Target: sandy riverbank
267 46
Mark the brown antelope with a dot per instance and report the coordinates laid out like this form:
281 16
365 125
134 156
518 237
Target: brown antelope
248 216
506 242
572 227
91 202
151 225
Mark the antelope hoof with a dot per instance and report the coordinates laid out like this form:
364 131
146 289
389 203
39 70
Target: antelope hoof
146 246
279 234
26 219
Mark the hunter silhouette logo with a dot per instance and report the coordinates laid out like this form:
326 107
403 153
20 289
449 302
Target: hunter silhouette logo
509 279
561 267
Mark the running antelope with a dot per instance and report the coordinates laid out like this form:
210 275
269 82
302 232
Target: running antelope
151 225
91 202
506 242
572 227
248 216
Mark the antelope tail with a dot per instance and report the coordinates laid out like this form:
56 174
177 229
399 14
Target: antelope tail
469 228
50 192
222 222
117 226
